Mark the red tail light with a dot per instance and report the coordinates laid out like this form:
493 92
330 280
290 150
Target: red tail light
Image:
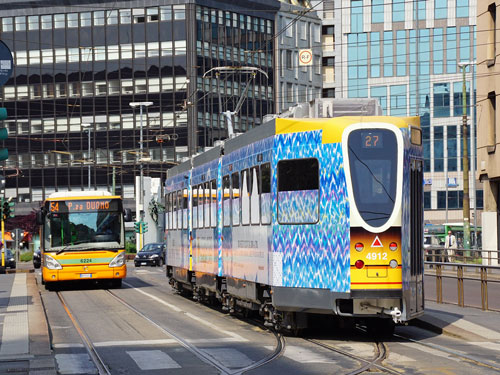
393 246
359 264
359 246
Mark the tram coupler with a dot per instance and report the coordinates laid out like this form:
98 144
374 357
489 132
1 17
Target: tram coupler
393 312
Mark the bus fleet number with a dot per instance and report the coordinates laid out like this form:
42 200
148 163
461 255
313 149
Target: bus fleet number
376 256
85 260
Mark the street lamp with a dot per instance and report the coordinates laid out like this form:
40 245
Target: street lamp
465 158
88 127
141 180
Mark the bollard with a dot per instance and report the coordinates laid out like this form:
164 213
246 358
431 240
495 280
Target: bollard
484 288
439 284
460 281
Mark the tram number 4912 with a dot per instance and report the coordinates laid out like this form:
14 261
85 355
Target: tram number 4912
376 256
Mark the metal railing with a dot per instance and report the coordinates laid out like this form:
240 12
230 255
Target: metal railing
446 263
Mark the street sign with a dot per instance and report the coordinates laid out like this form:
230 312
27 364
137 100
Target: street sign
6 63
305 57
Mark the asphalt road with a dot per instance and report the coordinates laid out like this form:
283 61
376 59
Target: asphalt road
160 331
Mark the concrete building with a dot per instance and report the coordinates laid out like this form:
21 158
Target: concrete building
79 65
488 81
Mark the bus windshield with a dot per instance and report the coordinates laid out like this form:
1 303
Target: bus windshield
76 225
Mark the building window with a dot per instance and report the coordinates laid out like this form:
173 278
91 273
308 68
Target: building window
357 16
328 93
375 54
440 9
380 93
59 21
419 6
401 53
457 98
438 149
33 23
289 58
441 100
7 24
377 11
427 200
479 199
491 34
451 50
20 23
99 18
398 100
398 10
451 142
86 19
462 8
388 54
492 126
438 52
72 20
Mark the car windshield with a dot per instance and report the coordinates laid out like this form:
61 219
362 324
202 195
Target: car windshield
151 247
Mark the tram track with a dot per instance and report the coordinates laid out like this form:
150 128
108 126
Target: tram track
103 369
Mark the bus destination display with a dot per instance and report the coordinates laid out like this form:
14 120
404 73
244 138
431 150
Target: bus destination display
89 205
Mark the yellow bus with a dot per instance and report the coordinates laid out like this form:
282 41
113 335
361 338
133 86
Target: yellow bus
83 237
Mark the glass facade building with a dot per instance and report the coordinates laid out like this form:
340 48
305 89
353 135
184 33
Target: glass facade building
78 67
406 54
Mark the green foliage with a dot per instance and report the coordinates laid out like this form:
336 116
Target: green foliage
130 247
27 256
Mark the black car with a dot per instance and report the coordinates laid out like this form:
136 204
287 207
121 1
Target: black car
10 261
37 259
153 254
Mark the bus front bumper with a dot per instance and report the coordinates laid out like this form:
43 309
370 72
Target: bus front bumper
84 273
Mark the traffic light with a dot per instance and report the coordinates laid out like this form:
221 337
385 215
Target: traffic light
144 227
8 209
137 227
4 153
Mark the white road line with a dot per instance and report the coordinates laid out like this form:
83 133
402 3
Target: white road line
135 342
75 364
64 346
234 335
229 357
303 355
399 358
152 360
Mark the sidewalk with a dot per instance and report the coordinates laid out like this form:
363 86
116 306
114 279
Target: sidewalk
462 322
24 335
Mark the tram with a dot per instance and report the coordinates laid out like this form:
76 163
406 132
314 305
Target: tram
83 237
303 215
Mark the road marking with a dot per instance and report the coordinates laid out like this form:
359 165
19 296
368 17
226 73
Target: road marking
64 346
75 364
398 358
152 360
234 335
229 357
135 342
303 355
361 349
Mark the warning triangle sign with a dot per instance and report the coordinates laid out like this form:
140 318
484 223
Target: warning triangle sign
377 242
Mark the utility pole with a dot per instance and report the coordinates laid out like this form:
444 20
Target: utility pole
465 162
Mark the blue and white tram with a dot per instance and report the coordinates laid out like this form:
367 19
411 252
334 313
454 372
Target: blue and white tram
303 216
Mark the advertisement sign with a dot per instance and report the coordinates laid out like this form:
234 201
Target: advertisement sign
305 57
6 63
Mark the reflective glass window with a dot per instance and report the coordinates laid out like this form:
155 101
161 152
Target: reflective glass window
59 21
441 100
112 17
398 10
440 9
166 13
388 54
125 16
462 8
438 53
457 98
375 54
47 22
72 19
419 6
401 53
451 147
465 44
398 100
356 16
33 23
7 24
377 11
86 19
20 23
99 18
179 12
380 93
451 50
438 149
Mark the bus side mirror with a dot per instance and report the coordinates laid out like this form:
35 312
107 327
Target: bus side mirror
39 217
127 215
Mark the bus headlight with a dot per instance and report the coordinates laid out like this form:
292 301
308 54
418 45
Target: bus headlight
118 260
51 263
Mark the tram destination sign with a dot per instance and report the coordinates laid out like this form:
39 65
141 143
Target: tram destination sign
6 63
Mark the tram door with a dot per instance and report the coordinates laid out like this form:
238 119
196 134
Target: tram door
416 237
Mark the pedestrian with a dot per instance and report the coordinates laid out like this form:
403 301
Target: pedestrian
450 244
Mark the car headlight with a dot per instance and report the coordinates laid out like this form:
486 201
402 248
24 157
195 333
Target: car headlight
51 263
118 260
154 256
11 259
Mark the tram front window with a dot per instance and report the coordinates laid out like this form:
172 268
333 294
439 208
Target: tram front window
373 166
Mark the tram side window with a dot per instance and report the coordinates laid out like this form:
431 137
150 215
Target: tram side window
201 204
180 215
245 196
168 211
213 203
174 210
207 199
265 196
254 195
195 207
226 201
235 179
185 205
298 191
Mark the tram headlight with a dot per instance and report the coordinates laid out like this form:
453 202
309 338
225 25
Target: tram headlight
393 263
393 246
51 263
118 260
359 246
